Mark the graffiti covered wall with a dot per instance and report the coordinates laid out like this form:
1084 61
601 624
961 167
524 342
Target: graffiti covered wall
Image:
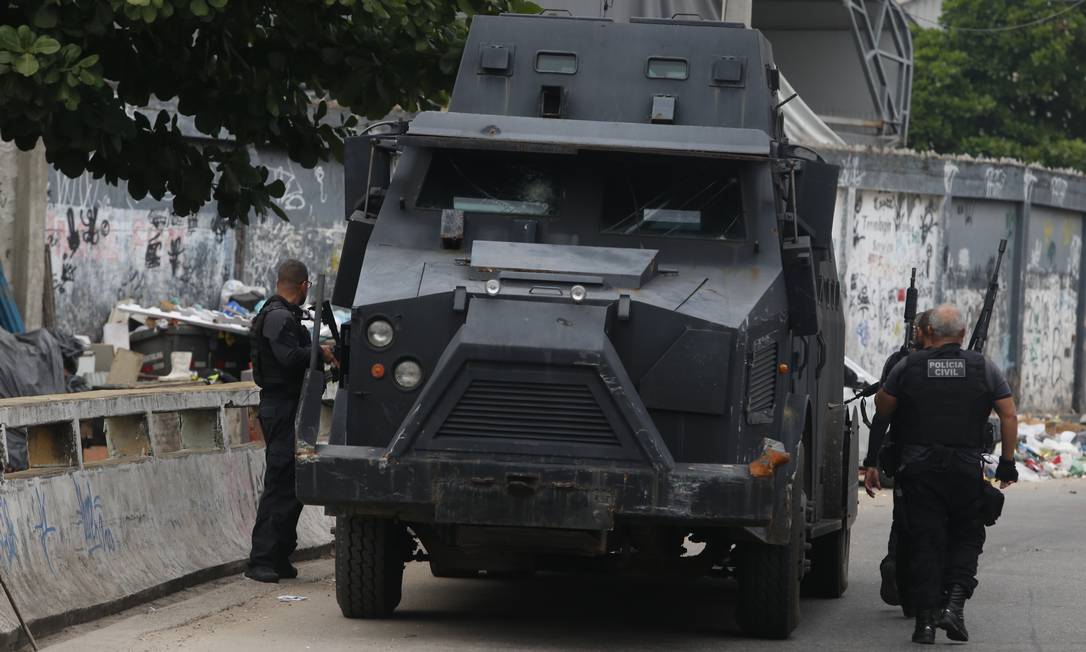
105 246
314 233
971 236
944 216
1053 256
886 235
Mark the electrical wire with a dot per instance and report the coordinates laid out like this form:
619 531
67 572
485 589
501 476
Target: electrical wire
1001 28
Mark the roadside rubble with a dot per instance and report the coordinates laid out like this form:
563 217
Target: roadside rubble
1048 450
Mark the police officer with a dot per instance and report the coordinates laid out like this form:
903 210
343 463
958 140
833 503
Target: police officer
280 352
940 399
894 566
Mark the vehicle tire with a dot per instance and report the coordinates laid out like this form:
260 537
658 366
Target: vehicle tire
769 579
828 577
369 566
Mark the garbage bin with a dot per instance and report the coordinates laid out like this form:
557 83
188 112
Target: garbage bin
229 353
157 344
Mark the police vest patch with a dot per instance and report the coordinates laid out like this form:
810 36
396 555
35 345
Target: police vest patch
946 368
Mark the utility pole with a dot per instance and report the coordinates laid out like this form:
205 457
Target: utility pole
28 276
735 11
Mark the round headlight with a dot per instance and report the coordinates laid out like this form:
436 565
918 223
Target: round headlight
493 287
578 293
408 374
379 333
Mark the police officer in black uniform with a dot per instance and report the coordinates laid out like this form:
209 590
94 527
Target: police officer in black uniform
940 399
280 351
894 566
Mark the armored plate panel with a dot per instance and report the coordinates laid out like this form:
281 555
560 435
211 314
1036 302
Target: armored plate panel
692 376
617 267
473 131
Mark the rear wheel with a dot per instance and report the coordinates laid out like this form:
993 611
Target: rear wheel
828 577
369 566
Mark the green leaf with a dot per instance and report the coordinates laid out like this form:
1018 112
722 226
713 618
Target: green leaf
6 57
88 61
45 45
218 4
26 65
199 8
278 210
26 38
9 39
276 188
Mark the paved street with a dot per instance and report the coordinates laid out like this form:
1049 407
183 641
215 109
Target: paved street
1033 581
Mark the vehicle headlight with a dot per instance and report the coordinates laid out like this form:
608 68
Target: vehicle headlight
379 333
408 374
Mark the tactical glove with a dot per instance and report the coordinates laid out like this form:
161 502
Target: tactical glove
1006 471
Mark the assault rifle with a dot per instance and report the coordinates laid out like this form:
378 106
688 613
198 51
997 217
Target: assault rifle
980 331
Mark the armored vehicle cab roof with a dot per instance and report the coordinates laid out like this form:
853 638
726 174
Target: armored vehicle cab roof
700 73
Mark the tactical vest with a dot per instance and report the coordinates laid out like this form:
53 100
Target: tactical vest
943 398
267 372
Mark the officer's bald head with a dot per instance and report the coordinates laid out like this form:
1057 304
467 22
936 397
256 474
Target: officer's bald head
946 323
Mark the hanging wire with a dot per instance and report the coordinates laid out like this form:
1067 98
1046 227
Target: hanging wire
1001 28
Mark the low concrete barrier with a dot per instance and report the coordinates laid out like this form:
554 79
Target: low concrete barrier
85 540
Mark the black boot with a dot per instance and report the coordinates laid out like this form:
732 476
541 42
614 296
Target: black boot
925 627
262 574
952 618
888 590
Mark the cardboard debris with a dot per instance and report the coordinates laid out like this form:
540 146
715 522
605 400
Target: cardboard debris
125 369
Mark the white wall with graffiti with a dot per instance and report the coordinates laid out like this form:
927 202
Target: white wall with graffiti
1054 254
945 217
105 246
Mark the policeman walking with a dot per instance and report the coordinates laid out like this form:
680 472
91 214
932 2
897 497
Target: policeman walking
940 399
280 351
894 566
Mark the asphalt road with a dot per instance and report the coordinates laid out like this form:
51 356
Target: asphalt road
1031 597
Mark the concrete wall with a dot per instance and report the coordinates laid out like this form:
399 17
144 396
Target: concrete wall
7 206
83 543
945 216
105 246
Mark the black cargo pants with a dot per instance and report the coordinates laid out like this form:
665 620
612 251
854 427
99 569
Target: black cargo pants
944 527
897 547
275 534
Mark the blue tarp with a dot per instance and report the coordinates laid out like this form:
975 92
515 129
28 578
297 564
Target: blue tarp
10 319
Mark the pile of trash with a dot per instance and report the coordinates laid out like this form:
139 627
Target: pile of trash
1054 449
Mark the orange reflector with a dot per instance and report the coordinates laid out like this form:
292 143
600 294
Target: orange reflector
783 368
377 370
768 461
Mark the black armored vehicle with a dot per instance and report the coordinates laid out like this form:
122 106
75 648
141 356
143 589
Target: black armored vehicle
596 324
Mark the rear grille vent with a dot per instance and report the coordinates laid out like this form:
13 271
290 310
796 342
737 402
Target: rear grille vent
762 384
529 411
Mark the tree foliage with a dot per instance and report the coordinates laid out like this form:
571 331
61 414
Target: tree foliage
1019 91
250 73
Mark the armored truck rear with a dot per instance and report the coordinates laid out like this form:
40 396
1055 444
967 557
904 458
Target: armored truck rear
596 323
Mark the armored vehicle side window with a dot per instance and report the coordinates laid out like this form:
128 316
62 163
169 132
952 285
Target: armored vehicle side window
664 196
662 68
492 182
563 63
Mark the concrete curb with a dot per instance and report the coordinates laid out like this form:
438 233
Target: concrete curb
84 544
